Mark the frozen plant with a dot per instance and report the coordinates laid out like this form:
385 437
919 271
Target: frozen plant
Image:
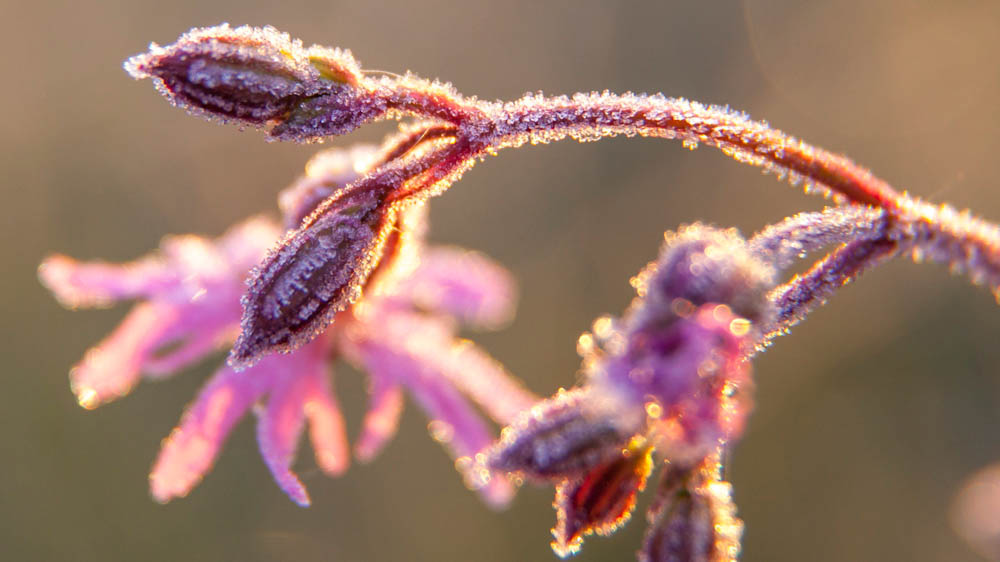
666 385
403 334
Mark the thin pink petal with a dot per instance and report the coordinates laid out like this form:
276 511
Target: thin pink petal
93 284
293 379
110 369
190 450
279 426
195 256
463 284
207 322
245 244
382 418
482 378
194 347
466 366
326 425
453 421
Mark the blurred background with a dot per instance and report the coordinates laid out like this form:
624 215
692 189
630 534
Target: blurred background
869 416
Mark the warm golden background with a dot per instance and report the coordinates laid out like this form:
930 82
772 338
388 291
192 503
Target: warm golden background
869 416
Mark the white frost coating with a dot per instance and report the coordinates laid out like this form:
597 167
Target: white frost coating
795 237
942 234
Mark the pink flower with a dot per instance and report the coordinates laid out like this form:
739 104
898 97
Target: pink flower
190 293
403 332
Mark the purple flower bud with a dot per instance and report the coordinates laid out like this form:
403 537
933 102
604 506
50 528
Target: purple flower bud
257 76
686 377
601 500
692 518
561 437
676 355
682 533
315 272
701 264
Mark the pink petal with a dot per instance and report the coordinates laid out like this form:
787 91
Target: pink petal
381 419
326 425
454 423
194 347
482 378
299 387
279 426
195 258
227 258
81 284
110 369
245 244
462 363
206 322
463 284
190 450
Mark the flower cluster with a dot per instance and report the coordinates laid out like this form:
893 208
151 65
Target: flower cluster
670 381
403 334
667 384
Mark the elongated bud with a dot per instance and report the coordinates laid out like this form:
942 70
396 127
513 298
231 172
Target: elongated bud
602 500
561 437
315 272
692 518
257 76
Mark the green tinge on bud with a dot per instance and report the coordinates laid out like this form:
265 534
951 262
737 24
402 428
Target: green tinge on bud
257 76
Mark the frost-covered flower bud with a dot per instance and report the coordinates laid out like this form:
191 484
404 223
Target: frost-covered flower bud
700 264
315 272
561 437
601 500
258 76
692 519
677 352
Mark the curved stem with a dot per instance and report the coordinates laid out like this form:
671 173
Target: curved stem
752 142
536 118
783 243
810 290
940 233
